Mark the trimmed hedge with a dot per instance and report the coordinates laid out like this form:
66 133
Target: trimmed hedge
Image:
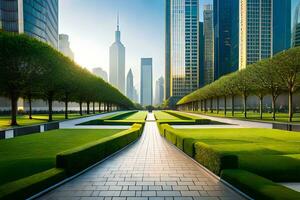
77 159
213 160
184 116
258 187
26 187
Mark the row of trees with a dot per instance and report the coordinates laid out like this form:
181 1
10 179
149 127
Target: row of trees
274 76
33 70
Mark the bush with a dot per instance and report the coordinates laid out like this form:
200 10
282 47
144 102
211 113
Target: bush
77 159
26 187
213 160
258 187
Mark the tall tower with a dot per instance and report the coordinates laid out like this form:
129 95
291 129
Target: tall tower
181 48
117 61
296 27
265 29
129 85
208 28
146 82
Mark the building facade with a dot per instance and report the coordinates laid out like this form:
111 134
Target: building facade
98 71
117 62
226 37
36 18
146 90
296 27
208 29
201 55
159 91
129 85
64 46
265 29
181 47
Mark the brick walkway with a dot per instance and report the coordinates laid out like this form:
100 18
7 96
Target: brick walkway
150 169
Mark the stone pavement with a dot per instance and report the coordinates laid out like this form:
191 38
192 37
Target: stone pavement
241 123
151 168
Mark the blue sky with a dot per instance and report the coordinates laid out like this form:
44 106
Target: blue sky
91 25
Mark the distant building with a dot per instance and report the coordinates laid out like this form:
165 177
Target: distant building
208 28
135 95
146 82
181 48
64 46
100 73
265 29
159 91
201 55
117 62
129 85
36 18
226 36
296 27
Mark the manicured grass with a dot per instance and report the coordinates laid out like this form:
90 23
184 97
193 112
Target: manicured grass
24 120
161 115
267 117
274 154
27 155
138 116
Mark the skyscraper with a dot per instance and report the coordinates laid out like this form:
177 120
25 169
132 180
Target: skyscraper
181 47
36 18
208 29
296 27
146 81
159 91
117 62
98 71
129 85
264 29
64 46
226 37
201 55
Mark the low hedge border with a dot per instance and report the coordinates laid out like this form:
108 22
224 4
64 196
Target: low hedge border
77 159
28 186
110 119
258 187
184 116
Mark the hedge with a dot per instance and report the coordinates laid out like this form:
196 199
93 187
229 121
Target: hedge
26 187
184 116
213 160
77 159
258 187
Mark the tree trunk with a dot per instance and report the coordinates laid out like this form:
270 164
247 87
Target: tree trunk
14 109
80 108
232 105
218 105
50 112
225 105
66 108
99 104
274 107
205 109
30 106
261 98
245 106
211 105
94 108
290 106
107 107
88 107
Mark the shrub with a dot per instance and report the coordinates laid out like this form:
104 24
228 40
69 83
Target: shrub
79 158
258 187
26 187
215 161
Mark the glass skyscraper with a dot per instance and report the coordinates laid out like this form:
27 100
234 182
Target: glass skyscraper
181 53
146 82
36 18
296 27
226 28
264 29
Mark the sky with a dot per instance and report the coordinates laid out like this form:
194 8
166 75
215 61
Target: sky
91 25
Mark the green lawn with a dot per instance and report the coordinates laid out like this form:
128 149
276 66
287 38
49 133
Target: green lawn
274 154
160 115
24 156
267 117
137 116
24 120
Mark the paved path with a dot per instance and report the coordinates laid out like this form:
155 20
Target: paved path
152 169
72 123
241 123
205 126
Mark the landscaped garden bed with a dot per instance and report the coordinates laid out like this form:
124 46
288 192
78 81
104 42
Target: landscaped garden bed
29 164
